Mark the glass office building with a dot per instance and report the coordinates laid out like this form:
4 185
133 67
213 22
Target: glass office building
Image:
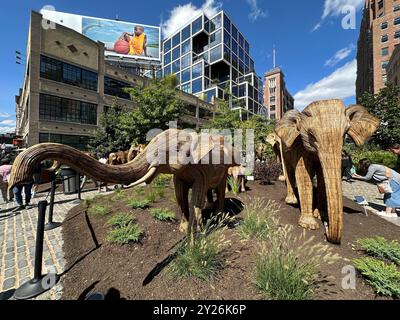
210 56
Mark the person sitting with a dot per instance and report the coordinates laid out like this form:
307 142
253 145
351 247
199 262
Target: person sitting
347 166
380 173
395 149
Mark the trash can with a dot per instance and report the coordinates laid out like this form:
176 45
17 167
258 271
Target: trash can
70 180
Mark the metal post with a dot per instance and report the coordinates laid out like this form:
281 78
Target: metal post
50 225
36 286
78 182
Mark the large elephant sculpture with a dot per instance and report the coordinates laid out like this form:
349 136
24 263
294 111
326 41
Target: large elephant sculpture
198 171
312 143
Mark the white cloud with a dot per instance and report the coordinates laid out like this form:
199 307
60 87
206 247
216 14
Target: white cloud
255 11
6 129
338 85
5 115
334 8
181 14
8 122
339 56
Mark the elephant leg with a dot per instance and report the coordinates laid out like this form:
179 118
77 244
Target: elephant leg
290 185
181 194
242 183
321 210
305 187
210 199
199 193
221 196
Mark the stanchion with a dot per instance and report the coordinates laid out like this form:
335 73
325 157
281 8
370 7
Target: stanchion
78 182
50 225
38 284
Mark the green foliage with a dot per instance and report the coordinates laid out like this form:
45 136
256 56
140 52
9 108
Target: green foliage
98 210
386 106
234 185
381 248
120 220
139 204
260 219
158 103
118 195
162 214
162 180
126 234
109 136
384 278
377 157
151 196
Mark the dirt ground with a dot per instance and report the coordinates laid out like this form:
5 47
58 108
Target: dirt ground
93 265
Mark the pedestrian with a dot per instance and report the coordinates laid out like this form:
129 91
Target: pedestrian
388 182
347 166
395 149
5 170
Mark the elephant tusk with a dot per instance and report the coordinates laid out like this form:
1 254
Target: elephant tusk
145 178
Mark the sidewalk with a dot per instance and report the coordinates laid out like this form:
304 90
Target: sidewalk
17 242
370 192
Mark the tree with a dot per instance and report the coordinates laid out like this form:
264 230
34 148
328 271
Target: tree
156 105
386 106
109 136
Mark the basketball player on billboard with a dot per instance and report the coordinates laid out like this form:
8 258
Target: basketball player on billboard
137 41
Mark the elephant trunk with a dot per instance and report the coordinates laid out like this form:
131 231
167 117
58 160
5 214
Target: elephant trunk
26 161
331 170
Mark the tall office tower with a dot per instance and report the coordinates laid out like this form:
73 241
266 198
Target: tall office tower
379 33
211 58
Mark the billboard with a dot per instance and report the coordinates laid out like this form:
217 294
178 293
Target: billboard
121 39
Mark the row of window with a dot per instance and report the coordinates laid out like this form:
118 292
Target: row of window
115 88
77 142
54 108
385 25
56 70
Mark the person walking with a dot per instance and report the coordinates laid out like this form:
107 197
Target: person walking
388 182
5 170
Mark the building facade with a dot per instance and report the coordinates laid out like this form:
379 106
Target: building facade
211 58
277 99
393 68
379 33
68 84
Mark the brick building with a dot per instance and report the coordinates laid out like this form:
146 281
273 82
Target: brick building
379 33
393 68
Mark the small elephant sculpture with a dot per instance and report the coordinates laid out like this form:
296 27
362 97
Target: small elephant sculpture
312 143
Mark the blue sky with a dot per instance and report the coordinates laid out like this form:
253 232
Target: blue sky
315 52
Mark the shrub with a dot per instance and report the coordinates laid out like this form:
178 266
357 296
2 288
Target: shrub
140 191
118 195
381 248
160 191
162 180
267 171
288 268
234 185
377 157
162 214
260 219
151 196
98 210
384 278
120 220
124 235
139 204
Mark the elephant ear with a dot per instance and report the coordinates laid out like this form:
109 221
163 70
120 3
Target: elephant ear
362 124
287 129
203 144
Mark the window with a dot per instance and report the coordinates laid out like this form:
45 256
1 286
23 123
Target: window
241 40
234 47
186 47
197 85
197 70
54 108
215 38
167 58
246 47
176 66
396 21
215 23
176 53
234 32
176 39
384 25
385 51
185 61
227 23
396 8
197 25
115 88
56 70
167 70
380 4
187 88
227 39
77 142
186 33
384 38
227 54
384 65
167 45
242 90
186 75
215 54
397 34
241 54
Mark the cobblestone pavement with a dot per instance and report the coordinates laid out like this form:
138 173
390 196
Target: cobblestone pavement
17 242
370 192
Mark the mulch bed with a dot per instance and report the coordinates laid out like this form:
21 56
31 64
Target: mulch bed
94 265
